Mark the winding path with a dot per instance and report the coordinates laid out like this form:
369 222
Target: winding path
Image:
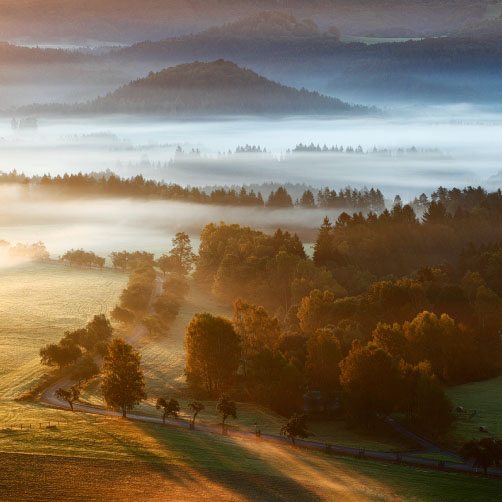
48 397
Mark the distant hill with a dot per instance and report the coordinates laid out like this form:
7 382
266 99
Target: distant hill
219 87
15 55
270 24
490 29
131 21
267 32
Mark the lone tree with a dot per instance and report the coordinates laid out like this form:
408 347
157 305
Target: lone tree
213 353
180 259
171 407
123 384
295 427
70 396
226 408
484 453
196 407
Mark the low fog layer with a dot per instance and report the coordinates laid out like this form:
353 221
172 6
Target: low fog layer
103 226
456 146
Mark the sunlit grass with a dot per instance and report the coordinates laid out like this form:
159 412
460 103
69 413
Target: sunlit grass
200 455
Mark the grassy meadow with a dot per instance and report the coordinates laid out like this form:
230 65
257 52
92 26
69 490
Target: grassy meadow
38 302
486 398
148 459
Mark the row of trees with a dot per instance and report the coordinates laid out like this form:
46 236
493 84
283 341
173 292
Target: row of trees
83 258
110 185
135 298
78 349
36 251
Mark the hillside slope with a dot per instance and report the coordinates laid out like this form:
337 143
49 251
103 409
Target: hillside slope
218 87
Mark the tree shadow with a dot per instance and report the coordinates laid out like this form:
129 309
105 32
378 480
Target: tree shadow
218 465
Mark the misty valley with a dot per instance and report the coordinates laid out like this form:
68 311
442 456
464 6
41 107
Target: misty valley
250 253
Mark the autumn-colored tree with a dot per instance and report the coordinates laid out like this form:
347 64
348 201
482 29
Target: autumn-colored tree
213 353
181 255
369 377
322 364
62 354
123 385
84 368
316 311
433 339
392 340
226 408
153 323
122 315
255 328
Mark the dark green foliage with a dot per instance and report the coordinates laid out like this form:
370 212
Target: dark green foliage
295 427
171 407
226 408
484 453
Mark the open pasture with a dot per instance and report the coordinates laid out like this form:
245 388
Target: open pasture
109 459
38 302
485 399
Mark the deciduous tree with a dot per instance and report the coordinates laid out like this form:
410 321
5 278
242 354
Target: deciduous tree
226 408
213 353
295 427
123 384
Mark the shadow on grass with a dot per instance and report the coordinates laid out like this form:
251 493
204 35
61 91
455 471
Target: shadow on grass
221 463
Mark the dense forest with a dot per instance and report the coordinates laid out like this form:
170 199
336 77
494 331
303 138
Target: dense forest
360 312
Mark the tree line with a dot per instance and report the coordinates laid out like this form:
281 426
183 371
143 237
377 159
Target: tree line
111 185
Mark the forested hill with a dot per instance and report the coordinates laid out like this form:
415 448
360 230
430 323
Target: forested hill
219 87
263 34
136 20
489 29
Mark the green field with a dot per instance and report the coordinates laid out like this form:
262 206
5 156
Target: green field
374 40
37 303
437 456
484 397
200 459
